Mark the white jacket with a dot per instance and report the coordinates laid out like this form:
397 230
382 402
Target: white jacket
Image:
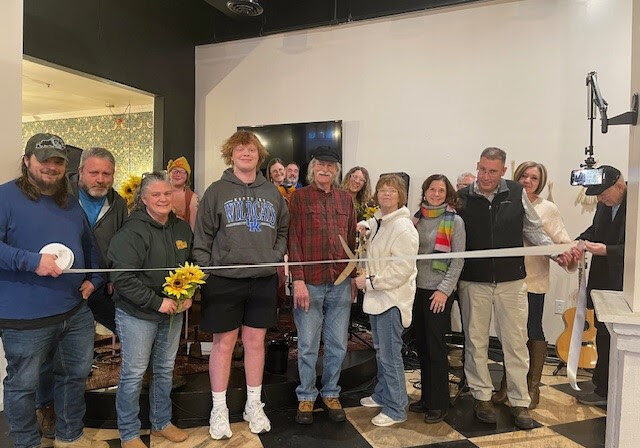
391 283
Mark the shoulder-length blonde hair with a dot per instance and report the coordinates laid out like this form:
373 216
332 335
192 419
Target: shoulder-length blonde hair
524 166
363 196
243 138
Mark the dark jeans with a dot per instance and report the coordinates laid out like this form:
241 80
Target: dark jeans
600 377
534 321
104 312
430 329
71 343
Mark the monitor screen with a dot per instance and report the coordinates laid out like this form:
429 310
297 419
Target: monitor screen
294 142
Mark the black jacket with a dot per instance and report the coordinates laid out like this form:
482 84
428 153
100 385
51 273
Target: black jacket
109 223
493 225
145 243
607 272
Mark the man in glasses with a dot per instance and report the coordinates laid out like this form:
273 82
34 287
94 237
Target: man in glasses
497 214
44 314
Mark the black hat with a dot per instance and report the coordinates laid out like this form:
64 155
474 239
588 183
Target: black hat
326 153
610 176
45 146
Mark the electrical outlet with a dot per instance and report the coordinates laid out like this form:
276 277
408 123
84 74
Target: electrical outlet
560 306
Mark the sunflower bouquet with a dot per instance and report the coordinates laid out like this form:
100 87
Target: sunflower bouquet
128 189
183 283
370 211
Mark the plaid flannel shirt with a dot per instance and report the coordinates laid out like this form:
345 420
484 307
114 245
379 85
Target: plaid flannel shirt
317 218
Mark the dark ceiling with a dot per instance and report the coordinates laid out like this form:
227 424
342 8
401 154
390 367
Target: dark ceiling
214 22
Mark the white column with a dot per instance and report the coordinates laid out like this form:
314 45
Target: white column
621 310
632 246
11 101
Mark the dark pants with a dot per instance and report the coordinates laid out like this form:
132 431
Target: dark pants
71 343
600 377
430 329
534 321
103 308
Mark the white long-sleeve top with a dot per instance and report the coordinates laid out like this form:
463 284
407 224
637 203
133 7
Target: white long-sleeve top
391 283
538 267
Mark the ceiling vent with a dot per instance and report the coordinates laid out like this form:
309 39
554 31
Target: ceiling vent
245 8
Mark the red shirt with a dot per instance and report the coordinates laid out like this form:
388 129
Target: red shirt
317 218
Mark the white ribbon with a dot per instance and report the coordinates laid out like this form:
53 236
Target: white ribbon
550 250
575 346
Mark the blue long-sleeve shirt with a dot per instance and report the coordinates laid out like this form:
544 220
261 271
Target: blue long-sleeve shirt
25 227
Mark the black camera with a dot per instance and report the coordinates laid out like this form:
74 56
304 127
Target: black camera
587 177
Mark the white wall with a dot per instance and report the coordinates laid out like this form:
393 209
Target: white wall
11 100
426 92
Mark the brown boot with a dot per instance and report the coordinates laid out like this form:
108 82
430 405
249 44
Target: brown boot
171 433
46 417
304 416
82 442
134 443
500 397
537 356
334 409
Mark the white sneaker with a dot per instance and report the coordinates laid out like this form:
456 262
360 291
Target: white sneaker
219 427
384 420
254 414
369 402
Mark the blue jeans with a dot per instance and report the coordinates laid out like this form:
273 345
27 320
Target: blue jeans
391 390
71 342
328 314
143 340
103 309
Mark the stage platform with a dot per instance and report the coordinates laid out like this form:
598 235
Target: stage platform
192 401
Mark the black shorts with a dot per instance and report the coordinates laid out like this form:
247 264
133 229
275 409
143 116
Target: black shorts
228 303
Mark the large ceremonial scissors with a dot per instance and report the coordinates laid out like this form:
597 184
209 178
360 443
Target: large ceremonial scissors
352 264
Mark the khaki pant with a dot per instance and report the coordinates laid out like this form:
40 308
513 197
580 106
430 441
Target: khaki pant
509 301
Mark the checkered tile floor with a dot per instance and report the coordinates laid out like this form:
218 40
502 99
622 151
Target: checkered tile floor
562 422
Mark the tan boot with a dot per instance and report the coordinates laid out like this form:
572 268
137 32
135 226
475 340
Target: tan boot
500 397
135 443
537 356
171 433
82 442
46 417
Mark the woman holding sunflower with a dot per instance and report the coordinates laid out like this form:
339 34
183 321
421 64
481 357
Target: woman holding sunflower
148 322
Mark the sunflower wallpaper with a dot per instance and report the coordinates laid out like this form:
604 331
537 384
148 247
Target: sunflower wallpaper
128 136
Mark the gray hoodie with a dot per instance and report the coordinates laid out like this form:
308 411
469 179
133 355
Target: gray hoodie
241 224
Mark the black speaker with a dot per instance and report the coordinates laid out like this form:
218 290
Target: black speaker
405 177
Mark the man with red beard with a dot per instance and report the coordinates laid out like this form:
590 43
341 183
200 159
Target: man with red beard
41 311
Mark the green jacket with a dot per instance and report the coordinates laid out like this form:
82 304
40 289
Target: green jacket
145 243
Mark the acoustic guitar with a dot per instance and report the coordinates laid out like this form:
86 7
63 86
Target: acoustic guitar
588 352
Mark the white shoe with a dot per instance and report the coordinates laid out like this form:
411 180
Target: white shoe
219 427
369 402
254 414
384 420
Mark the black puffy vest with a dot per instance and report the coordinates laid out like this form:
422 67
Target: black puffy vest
493 225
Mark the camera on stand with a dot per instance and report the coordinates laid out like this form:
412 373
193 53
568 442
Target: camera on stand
587 175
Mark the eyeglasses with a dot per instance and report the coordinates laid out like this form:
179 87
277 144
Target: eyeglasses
389 191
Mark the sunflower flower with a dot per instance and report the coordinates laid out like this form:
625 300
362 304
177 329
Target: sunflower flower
176 285
192 273
128 189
